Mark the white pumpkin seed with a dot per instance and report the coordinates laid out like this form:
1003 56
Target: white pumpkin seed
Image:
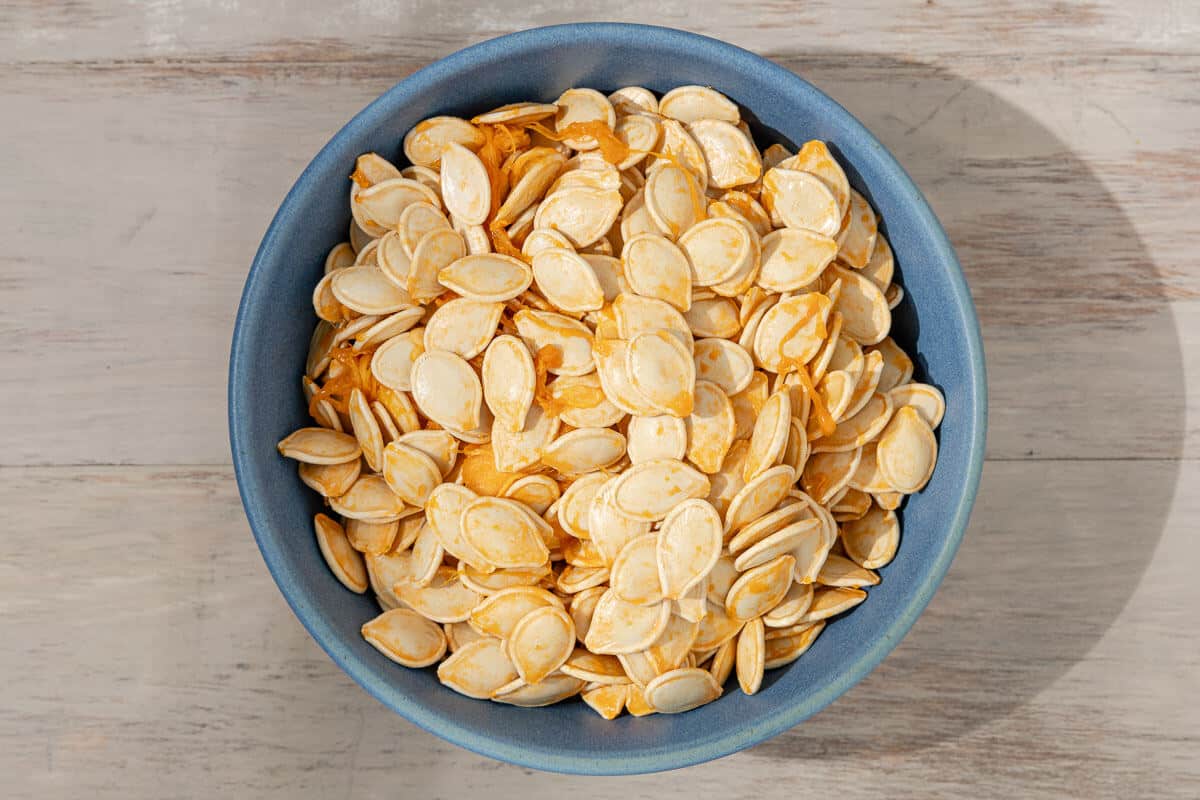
729 152
907 451
691 103
567 280
634 575
760 589
330 480
872 541
424 143
479 669
681 690
800 200
570 339
503 533
435 251
584 450
926 399
618 627
320 446
486 278
343 560
751 651
861 229
406 637
829 601
463 327
710 427
688 547
447 390
661 436
758 496
650 490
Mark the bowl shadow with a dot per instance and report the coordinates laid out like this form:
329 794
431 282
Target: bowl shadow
1073 498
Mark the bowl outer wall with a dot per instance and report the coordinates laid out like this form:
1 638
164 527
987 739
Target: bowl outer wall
937 322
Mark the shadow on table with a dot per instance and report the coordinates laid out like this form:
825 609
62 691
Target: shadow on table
1084 363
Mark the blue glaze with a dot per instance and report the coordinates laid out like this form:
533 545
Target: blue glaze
936 322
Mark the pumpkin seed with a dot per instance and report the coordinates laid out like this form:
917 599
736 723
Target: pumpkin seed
406 637
791 608
783 650
770 435
860 429
374 538
634 576
344 561
872 541
607 701
554 688
829 601
516 113
331 480
459 634
841 571
681 690
443 599
758 496
461 326
814 157
498 614
370 499
503 533
724 363
858 241
366 429
581 213
447 390
479 669
377 208
800 200
687 547
907 451
826 473
926 399
570 339
691 103
609 528
618 627
567 280
581 402
424 143
760 589
661 436
673 201
717 250
541 642
538 492
751 651
882 266
650 490
793 258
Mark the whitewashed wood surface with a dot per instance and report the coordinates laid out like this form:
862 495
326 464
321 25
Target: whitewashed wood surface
147 654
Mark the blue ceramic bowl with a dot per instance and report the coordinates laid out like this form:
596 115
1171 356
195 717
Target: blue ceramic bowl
936 322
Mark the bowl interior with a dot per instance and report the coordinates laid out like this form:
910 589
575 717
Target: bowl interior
935 323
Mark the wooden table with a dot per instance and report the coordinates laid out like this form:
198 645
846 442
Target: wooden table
147 654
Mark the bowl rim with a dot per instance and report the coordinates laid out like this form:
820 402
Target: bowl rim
773 722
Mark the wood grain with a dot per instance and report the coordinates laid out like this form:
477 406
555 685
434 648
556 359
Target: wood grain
150 656
159 661
33 30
